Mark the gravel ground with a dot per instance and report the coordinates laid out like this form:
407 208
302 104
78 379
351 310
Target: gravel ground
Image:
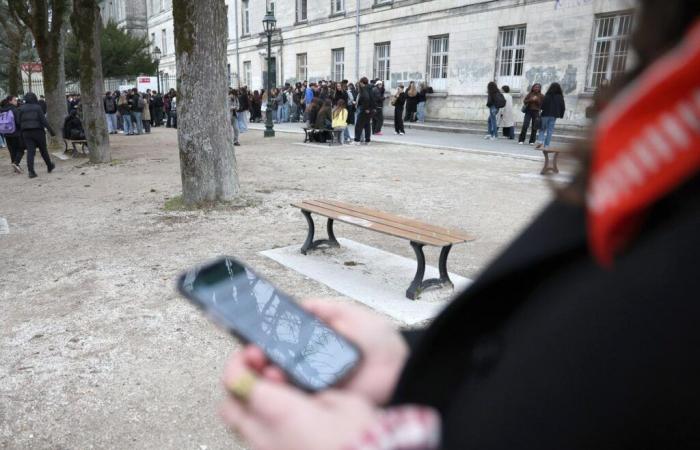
96 348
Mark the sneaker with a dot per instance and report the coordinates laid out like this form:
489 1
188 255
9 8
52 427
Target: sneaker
356 143
521 143
402 133
365 143
531 143
397 133
51 167
488 136
32 174
378 133
237 144
17 168
539 145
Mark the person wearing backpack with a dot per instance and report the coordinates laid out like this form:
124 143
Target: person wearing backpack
495 101
110 107
32 122
11 131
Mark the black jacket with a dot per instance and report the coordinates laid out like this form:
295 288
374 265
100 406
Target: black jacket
365 102
553 106
400 100
31 117
243 102
110 104
546 350
15 113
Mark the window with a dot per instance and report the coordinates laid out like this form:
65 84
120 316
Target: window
510 57
271 6
164 41
338 64
382 2
381 60
245 18
302 72
437 62
337 6
301 11
610 45
246 73
162 5
153 40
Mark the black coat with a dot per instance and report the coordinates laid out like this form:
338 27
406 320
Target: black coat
31 117
553 106
546 350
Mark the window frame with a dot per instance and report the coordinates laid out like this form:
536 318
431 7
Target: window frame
613 51
301 8
386 59
335 10
245 17
443 66
247 73
512 79
164 41
305 66
334 64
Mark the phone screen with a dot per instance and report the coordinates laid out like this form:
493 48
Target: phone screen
313 355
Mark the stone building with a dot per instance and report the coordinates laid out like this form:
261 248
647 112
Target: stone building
456 46
131 15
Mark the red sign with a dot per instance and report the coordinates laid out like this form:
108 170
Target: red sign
144 79
31 67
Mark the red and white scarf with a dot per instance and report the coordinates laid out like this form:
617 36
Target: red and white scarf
647 143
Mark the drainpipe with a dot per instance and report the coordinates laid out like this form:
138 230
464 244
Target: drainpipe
238 59
357 40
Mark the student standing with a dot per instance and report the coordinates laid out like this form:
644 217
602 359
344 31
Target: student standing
365 106
553 108
507 120
399 102
531 107
10 127
124 112
420 105
411 102
32 122
378 97
492 103
233 107
110 108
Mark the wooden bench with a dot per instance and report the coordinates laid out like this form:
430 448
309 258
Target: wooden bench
418 233
550 168
84 149
309 134
336 135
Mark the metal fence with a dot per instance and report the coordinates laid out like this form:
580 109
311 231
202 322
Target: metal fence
36 84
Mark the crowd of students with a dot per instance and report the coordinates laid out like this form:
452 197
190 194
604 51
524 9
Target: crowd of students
132 112
540 113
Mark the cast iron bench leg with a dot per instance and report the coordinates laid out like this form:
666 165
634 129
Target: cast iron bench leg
418 284
310 244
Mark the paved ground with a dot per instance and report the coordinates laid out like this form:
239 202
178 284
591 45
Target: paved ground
96 348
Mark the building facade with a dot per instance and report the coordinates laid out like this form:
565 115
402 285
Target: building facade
131 15
455 46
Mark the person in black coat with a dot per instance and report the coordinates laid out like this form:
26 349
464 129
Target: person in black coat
73 127
399 101
366 108
581 335
14 141
553 108
33 122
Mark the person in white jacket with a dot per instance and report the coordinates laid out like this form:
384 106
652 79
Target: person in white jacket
506 119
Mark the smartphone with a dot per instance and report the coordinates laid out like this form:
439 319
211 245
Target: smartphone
232 295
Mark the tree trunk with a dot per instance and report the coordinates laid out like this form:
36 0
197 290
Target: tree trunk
14 72
55 89
87 25
205 135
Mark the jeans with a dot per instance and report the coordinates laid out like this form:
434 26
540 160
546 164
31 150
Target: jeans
127 124
279 114
243 121
364 123
139 123
529 116
112 122
346 135
34 139
236 128
421 112
285 112
492 123
294 112
2 140
547 129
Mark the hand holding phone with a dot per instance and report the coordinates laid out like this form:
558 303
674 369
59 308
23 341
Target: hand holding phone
312 355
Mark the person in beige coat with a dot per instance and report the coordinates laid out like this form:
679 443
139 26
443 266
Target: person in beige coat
146 116
506 118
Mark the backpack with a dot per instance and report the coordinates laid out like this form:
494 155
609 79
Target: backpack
499 100
7 122
142 102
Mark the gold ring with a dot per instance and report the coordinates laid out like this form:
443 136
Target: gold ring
242 387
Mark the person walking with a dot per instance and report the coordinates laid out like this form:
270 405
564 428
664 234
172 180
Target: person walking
506 117
365 106
124 110
411 102
110 107
553 108
378 98
32 122
11 130
399 101
494 102
234 106
531 107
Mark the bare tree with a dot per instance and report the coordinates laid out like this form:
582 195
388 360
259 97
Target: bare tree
46 20
12 37
87 25
205 135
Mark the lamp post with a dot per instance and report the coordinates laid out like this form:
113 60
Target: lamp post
269 26
156 54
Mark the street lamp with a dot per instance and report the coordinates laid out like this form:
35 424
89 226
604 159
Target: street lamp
156 54
269 27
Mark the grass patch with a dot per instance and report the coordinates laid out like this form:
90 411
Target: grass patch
175 204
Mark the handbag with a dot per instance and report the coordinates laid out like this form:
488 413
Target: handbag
523 109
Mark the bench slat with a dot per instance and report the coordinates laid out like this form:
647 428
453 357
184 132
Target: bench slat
399 226
456 236
370 225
